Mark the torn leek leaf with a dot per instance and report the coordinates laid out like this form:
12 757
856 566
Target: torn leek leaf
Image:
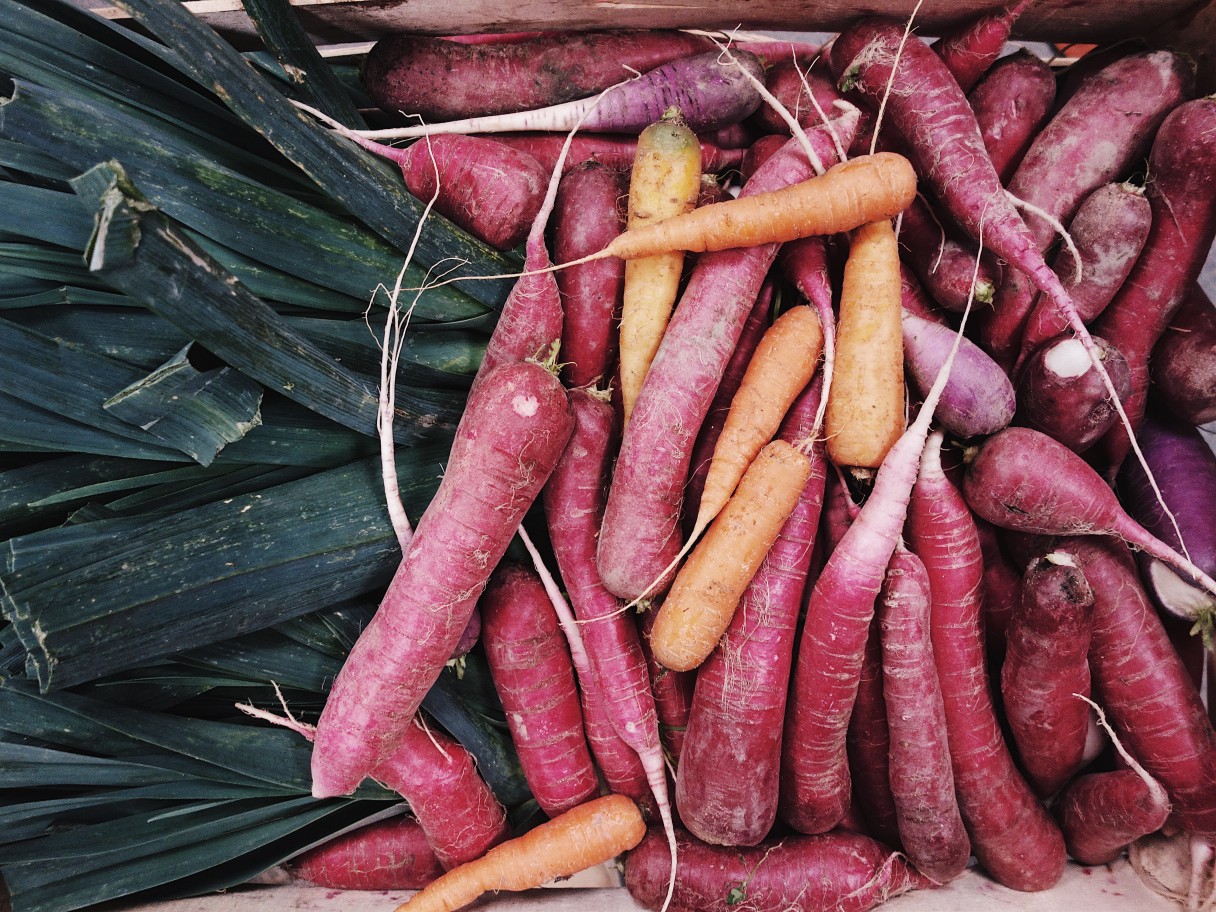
196 412
87 600
137 249
368 187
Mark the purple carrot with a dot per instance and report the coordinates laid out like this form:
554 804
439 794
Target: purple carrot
1101 814
971 48
727 781
1109 231
530 664
1011 104
509 439
709 92
1060 393
1023 480
1046 668
587 216
1184 360
1011 834
921 777
978 399
672 694
1182 459
640 535
1182 193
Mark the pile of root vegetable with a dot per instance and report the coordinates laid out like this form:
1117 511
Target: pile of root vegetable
827 511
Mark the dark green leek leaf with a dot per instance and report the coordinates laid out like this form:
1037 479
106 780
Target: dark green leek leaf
303 64
27 428
33 161
22 766
90 599
197 412
369 188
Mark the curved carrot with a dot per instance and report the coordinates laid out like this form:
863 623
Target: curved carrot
848 195
665 181
779 370
582 837
865 414
705 593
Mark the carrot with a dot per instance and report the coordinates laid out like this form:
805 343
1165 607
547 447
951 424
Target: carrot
508 441
1184 360
639 538
865 414
944 258
389 854
846 196
921 779
673 694
587 214
868 745
1045 670
616 151
1011 834
729 772
971 48
665 181
707 589
778 372
440 79
715 419
1011 103
583 837
1026 481
533 675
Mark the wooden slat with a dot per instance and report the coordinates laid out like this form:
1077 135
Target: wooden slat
336 21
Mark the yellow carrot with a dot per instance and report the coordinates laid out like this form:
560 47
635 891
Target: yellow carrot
866 412
778 371
665 181
708 587
862 190
582 837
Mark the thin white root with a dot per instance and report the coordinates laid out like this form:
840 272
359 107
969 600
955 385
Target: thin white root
1154 786
1056 225
565 615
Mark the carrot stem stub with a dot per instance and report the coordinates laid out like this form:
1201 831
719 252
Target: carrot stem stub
865 189
581 838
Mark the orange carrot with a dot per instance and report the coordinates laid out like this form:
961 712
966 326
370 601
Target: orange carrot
581 838
707 589
779 370
665 182
865 414
865 189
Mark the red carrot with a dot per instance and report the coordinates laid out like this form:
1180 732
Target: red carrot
1109 231
1184 360
1046 671
672 694
1183 198
1060 393
844 872
1102 813
943 261
1145 688
510 437
868 745
439 79
1011 104
1011 834
574 503
1023 480
727 780
921 778
971 48
386 855
530 664
587 216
